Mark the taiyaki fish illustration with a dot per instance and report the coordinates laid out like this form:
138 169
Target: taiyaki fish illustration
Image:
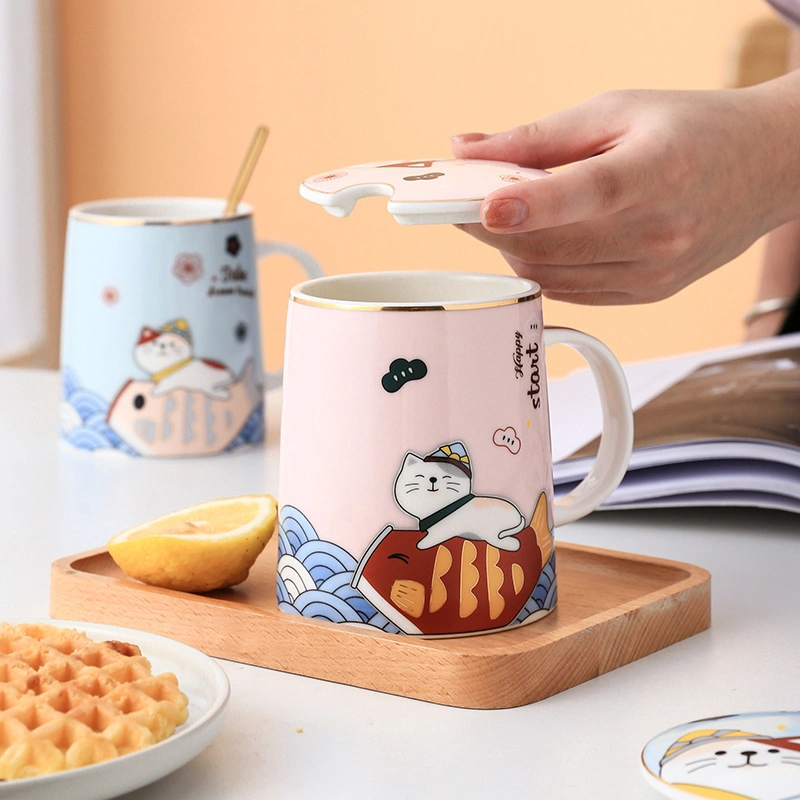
459 586
183 422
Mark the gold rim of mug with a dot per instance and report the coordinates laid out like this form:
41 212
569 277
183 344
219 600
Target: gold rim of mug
82 212
298 296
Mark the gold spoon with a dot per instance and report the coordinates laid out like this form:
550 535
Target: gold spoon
246 170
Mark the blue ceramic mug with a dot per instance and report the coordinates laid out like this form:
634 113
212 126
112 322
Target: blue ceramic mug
160 338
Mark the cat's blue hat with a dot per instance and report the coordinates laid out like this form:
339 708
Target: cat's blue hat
700 737
454 453
179 326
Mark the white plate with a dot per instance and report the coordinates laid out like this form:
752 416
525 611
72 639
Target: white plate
742 756
199 677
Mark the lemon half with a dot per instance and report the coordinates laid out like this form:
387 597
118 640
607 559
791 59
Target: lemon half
198 549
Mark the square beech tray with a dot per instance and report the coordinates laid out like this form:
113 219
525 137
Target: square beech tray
613 608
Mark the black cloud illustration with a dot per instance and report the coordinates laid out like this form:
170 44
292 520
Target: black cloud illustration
401 372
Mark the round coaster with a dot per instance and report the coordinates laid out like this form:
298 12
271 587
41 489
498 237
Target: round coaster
432 191
741 757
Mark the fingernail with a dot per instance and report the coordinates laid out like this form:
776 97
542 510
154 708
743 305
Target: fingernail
468 138
504 213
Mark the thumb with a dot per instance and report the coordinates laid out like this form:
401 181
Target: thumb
584 191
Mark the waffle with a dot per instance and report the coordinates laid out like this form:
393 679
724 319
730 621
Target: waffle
67 701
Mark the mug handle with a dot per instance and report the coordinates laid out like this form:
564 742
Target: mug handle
616 439
272 380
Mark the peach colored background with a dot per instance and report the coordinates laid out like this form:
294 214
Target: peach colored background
162 97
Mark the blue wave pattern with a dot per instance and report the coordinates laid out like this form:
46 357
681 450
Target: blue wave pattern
331 567
253 431
95 433
545 593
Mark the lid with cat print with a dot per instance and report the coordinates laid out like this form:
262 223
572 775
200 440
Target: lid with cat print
742 757
422 192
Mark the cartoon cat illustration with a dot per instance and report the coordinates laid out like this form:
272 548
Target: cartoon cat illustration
734 764
437 490
166 356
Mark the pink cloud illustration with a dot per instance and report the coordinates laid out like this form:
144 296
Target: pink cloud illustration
507 437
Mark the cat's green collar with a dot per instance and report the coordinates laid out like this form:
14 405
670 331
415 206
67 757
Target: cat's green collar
427 522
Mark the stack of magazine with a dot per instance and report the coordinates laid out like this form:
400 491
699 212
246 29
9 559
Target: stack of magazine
718 428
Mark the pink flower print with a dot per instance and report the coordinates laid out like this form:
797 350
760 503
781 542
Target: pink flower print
188 267
328 176
110 295
514 177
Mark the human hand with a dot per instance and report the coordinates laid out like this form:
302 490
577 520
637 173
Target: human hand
662 188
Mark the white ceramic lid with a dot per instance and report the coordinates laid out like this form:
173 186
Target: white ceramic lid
428 191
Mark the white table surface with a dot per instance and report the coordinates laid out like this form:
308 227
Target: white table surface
288 737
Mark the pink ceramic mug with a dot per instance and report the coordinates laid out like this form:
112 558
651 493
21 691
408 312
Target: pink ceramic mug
416 490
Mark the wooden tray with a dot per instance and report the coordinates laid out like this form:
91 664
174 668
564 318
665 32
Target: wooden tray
613 608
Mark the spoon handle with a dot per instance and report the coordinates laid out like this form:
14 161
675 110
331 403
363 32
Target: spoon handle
246 170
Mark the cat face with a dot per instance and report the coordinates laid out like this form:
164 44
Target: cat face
745 767
424 487
161 352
